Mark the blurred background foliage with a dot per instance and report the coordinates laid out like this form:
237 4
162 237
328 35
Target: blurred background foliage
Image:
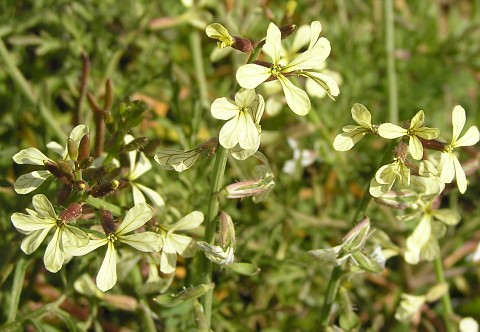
157 51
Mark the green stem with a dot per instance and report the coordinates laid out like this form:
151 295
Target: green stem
18 279
102 204
447 310
210 227
195 44
331 294
391 73
25 88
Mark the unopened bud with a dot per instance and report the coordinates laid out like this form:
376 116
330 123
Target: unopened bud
65 166
108 95
355 239
72 149
227 231
242 44
287 30
72 212
108 223
401 151
136 144
85 163
84 147
104 189
54 168
248 188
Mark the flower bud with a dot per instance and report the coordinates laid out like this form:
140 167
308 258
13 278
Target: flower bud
72 212
65 166
85 163
72 149
54 168
227 231
287 30
104 189
108 223
246 188
242 44
136 144
84 147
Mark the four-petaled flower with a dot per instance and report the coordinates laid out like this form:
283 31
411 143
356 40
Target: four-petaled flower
387 175
219 32
250 76
352 134
135 218
415 147
29 182
449 166
174 244
37 224
243 127
137 169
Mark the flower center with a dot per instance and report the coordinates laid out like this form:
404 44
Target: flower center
276 70
111 237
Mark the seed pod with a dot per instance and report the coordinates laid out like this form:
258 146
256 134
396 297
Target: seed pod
84 147
104 189
72 212
108 223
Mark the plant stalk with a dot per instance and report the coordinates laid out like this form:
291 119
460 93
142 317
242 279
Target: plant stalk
447 310
391 72
210 227
330 296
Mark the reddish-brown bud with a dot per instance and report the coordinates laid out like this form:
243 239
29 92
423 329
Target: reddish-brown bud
136 144
84 147
108 223
242 44
104 189
287 30
72 212
85 163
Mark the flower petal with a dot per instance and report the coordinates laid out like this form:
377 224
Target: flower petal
152 195
27 183
273 43
447 166
251 75
54 255
168 260
247 132
33 240
315 29
417 120
42 205
107 275
30 156
460 176
224 109
190 221
76 237
345 141
312 58
361 115
138 197
471 137
136 217
244 97
326 82
391 131
181 243
297 99
228 136
28 223
458 121
427 133
145 241
415 147
83 250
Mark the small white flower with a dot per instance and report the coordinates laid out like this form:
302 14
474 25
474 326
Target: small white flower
449 164
243 115
27 183
252 75
174 244
352 134
37 225
137 169
135 218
